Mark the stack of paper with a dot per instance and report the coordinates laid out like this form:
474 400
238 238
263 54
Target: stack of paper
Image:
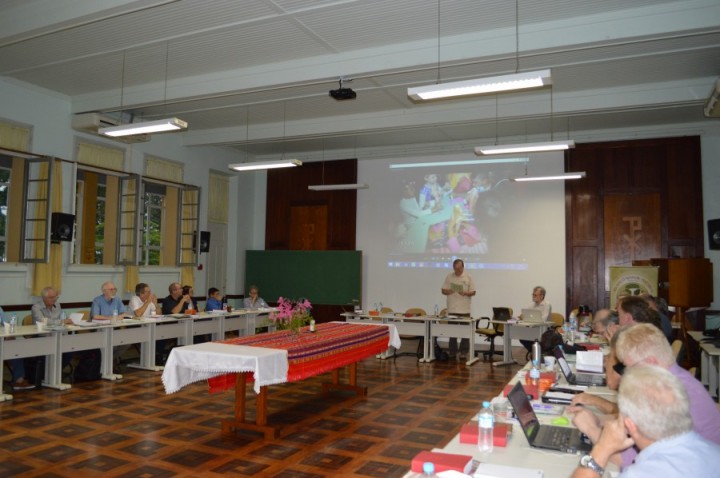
590 361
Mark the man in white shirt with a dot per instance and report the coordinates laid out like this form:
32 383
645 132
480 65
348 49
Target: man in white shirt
459 288
144 303
539 303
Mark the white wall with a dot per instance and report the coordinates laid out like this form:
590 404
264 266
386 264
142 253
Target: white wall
49 115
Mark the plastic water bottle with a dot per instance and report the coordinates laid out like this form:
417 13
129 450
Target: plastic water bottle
13 323
437 311
486 423
535 374
573 327
312 325
115 317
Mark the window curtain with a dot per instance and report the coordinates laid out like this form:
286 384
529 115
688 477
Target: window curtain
15 137
159 168
132 272
170 224
101 156
218 198
50 273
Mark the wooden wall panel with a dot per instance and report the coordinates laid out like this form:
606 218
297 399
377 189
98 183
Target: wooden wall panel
667 168
288 188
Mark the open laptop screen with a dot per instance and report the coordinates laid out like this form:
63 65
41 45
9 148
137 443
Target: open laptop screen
523 410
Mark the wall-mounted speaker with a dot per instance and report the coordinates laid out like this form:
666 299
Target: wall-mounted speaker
714 233
61 227
204 242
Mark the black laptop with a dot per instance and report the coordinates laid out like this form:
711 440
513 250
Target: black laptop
565 439
580 378
501 313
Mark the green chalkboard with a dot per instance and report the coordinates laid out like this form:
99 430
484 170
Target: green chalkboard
322 277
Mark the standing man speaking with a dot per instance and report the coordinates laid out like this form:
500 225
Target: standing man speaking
459 288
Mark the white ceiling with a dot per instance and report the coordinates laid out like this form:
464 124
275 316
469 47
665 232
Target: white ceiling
255 74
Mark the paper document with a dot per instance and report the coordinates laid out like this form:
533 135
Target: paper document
589 361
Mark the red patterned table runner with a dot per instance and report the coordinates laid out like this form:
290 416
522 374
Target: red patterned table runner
332 346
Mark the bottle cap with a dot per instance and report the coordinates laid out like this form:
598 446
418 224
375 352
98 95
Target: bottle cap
428 468
486 404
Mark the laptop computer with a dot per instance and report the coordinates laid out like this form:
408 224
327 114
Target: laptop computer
501 313
565 439
532 315
577 378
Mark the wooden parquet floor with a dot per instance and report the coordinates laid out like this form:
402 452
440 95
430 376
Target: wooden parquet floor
131 428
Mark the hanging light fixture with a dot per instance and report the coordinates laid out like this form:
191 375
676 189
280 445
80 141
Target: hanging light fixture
524 147
145 127
480 86
284 163
550 177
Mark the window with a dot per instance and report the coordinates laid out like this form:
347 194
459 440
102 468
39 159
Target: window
4 195
152 227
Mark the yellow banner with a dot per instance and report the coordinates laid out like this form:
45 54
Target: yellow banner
636 280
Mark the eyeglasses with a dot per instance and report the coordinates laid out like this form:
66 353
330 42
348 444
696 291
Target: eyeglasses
110 290
619 368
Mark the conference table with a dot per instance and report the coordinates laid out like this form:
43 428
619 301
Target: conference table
519 455
518 330
277 357
429 327
28 341
709 362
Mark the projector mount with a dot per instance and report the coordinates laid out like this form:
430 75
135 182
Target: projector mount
341 93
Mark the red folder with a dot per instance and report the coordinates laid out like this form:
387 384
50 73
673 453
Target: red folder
501 432
442 461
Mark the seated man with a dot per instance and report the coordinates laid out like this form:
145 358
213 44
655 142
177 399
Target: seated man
539 303
654 417
107 303
602 320
646 344
214 301
144 304
176 302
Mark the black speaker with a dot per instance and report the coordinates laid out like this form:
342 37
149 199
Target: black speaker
714 233
204 241
61 227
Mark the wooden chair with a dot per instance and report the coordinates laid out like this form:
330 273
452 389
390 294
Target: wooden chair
414 311
27 320
677 346
490 332
557 319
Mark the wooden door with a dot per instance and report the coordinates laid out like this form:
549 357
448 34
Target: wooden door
308 228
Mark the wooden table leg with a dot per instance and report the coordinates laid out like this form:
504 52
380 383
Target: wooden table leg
239 423
351 386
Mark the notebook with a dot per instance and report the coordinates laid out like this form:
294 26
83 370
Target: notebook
577 378
565 439
501 313
532 315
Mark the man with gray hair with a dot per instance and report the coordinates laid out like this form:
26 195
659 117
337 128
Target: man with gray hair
645 344
655 417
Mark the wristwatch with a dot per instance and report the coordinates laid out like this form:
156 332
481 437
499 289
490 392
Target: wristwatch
587 461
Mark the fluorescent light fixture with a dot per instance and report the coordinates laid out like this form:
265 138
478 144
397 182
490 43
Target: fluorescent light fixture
468 162
337 187
159 126
524 147
285 163
479 86
555 177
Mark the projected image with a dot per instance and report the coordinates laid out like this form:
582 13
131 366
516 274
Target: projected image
448 213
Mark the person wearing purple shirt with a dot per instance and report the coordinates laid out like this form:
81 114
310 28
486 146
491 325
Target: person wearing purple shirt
646 344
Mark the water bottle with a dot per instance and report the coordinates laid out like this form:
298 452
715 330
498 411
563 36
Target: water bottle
535 375
115 316
224 304
573 327
486 423
13 323
312 325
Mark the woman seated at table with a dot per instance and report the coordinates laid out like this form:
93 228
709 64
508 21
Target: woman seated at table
254 301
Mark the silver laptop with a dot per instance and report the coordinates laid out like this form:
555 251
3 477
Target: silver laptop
532 315
568 440
579 378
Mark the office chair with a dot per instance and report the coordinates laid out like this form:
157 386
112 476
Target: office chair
490 332
414 311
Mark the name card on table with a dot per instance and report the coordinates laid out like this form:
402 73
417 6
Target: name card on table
442 461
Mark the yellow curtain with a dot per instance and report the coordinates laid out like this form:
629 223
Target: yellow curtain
159 168
15 137
101 156
219 186
132 277
187 275
50 273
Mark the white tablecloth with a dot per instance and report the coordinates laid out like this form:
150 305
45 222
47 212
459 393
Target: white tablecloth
194 363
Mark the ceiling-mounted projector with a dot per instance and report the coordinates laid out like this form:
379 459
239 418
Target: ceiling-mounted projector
343 93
